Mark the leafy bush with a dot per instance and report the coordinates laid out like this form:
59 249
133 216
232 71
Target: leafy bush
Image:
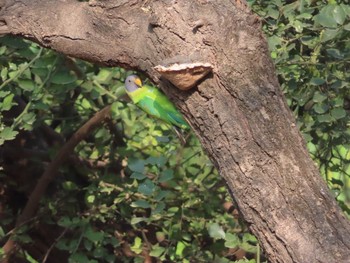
129 192
310 45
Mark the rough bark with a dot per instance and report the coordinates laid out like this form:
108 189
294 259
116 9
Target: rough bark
239 113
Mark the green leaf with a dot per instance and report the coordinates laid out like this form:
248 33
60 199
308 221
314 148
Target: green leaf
317 81
180 248
4 93
88 244
326 16
319 97
231 240
138 176
29 117
147 187
136 220
338 113
320 108
3 74
325 20
273 13
78 257
161 236
90 199
136 165
2 49
157 251
216 231
69 185
273 42
249 238
309 41
159 161
7 102
162 139
173 210
41 106
159 208
329 34
166 175
104 76
8 134
29 258
249 243
347 27
325 118
63 78
339 14
137 246
304 16
86 104
161 194
2 233
13 67
336 53
115 110
94 236
244 260
298 26
141 203
26 84
65 221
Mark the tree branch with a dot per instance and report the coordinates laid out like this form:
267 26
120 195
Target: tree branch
51 171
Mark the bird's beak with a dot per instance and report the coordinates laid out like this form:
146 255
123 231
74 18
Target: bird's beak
138 82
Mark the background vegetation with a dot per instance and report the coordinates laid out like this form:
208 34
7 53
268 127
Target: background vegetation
131 192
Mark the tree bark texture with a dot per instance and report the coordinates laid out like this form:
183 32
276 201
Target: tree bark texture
238 113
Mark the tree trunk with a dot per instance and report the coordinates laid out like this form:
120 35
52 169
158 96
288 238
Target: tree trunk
238 112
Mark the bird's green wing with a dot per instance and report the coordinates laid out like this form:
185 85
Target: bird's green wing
171 115
158 105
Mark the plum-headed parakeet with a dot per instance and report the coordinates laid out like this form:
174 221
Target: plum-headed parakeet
154 102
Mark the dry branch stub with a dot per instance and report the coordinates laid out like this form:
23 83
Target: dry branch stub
186 75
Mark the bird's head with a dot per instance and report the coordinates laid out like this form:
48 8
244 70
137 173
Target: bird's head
133 83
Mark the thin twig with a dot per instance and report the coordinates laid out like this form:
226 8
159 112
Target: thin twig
54 243
21 70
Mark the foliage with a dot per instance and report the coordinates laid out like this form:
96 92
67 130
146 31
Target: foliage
130 192
310 45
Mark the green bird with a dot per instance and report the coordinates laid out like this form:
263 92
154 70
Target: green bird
154 102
